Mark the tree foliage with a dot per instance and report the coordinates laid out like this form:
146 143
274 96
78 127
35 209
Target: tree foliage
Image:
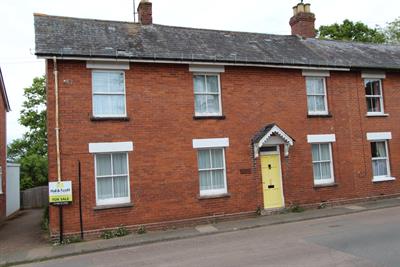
31 150
351 31
392 31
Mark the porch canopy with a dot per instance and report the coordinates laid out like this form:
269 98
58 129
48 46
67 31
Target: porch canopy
271 135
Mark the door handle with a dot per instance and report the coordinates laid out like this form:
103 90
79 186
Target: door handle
269 166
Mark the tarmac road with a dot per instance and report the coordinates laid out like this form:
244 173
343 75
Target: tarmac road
365 239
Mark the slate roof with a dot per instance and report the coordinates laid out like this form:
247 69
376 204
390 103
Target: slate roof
4 92
74 37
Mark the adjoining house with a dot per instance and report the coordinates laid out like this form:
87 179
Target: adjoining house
175 125
4 108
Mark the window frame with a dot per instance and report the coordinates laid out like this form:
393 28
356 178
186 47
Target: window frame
326 111
212 192
331 180
208 114
380 96
112 201
387 158
124 115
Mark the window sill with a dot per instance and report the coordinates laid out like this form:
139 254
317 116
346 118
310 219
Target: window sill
221 117
329 115
383 179
377 115
325 185
114 206
92 118
214 196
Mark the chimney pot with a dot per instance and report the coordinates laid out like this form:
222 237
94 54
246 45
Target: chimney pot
145 12
307 8
300 8
294 10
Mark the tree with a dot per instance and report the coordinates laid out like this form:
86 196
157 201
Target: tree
392 31
31 150
351 31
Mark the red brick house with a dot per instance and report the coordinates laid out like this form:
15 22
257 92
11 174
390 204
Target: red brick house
174 125
4 108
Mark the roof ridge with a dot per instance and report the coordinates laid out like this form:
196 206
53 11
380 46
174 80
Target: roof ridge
161 25
87 19
356 42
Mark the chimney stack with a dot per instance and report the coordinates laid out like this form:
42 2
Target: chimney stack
303 21
145 12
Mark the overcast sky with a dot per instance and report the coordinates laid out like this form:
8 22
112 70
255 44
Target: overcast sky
20 66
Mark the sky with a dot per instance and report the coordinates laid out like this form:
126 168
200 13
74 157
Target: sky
20 66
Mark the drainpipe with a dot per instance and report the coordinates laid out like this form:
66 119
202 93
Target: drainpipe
57 129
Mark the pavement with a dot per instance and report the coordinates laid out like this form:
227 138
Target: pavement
22 232
42 252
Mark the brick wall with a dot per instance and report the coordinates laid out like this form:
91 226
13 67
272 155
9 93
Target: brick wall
163 165
3 142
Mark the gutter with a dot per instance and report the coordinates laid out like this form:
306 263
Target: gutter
188 62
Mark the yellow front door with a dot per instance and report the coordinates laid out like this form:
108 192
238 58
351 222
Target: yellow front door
272 181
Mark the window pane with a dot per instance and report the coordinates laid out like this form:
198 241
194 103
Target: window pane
319 103
317 171
315 152
205 180
101 104
200 103
121 186
325 170
217 158
376 87
199 84
103 164
368 87
374 104
311 103
378 149
218 179
379 167
104 188
373 87
204 159
109 104
100 82
315 86
117 105
212 84
212 104
310 84
119 164
325 153
116 82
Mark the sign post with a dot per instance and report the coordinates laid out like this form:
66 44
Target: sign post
60 194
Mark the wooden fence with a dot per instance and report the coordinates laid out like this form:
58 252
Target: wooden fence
33 198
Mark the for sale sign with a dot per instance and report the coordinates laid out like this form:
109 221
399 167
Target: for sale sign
60 193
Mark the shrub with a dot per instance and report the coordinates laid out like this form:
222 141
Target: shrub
296 208
108 234
45 219
141 230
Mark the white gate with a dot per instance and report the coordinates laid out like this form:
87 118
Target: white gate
12 187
